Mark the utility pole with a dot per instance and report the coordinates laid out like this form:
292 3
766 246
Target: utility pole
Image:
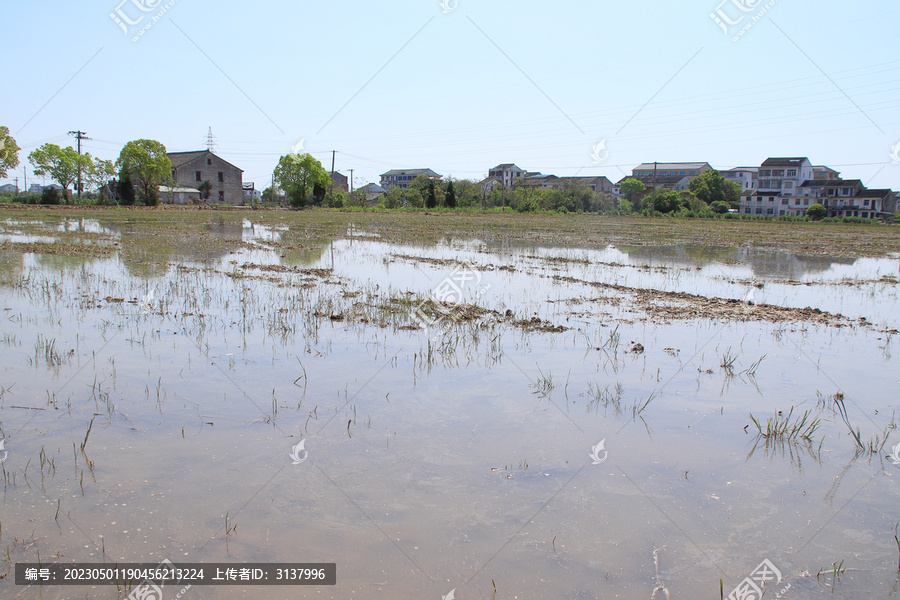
79 135
333 152
653 201
17 185
351 181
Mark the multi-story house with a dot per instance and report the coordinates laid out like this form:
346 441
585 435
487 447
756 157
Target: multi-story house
672 176
403 177
191 169
339 181
743 176
849 198
506 174
823 172
777 184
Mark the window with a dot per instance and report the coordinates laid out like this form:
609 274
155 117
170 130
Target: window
209 161
770 211
221 196
785 201
682 173
788 185
759 211
806 202
765 173
792 173
221 176
797 202
771 198
777 172
780 213
693 172
173 173
198 176
865 202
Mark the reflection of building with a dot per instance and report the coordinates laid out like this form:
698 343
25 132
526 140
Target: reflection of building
403 177
191 169
766 264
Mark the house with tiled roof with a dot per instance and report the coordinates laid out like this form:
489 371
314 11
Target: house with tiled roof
403 177
672 175
506 174
191 169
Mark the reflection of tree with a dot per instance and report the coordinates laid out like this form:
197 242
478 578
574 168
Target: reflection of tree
10 266
61 262
304 255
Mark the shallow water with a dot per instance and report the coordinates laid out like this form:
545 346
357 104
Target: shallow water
457 459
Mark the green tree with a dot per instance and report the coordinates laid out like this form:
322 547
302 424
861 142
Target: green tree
711 187
9 151
101 176
49 195
268 195
148 166
450 201
816 211
719 206
205 188
630 187
431 198
60 164
298 175
125 189
421 183
666 201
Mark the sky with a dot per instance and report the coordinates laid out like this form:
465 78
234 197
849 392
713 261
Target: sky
570 88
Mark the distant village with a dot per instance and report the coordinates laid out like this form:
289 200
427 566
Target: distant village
779 186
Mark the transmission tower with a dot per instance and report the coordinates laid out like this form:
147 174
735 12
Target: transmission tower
210 141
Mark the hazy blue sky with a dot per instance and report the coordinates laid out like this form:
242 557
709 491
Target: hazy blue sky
404 84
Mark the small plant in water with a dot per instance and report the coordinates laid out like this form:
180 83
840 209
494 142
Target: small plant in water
782 427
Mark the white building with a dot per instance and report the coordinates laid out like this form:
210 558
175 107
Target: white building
743 176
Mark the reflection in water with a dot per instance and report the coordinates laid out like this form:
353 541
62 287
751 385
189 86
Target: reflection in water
461 458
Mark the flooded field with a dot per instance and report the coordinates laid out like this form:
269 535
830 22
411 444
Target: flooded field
452 407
